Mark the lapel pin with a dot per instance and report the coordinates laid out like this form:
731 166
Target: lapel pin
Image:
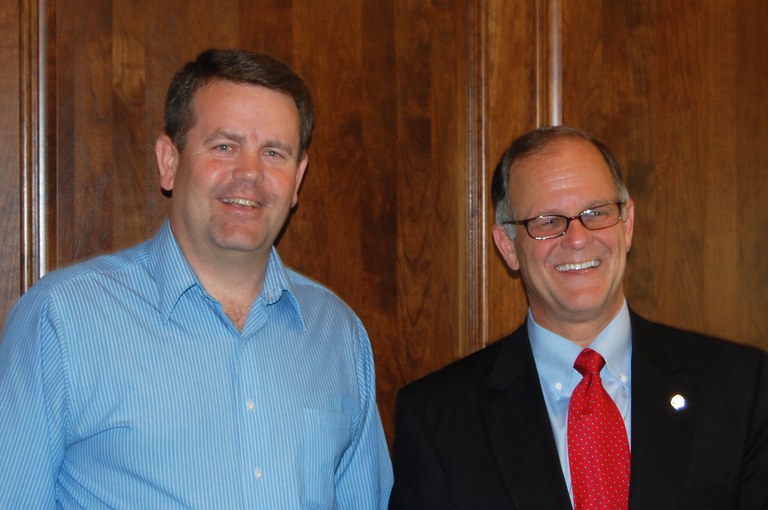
678 402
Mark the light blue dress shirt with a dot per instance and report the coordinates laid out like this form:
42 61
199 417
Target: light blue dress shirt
124 385
555 356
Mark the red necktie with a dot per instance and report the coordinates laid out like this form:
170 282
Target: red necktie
598 450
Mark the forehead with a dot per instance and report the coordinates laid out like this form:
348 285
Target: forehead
569 173
226 102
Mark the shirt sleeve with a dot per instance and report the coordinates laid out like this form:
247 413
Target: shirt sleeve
364 479
32 404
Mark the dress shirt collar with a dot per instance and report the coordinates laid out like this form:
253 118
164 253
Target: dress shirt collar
169 268
278 284
174 276
555 355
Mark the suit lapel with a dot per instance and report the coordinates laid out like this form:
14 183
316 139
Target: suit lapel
661 435
521 436
519 430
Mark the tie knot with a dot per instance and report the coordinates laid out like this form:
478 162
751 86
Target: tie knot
589 362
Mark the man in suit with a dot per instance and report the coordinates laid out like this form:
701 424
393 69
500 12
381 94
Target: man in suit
491 431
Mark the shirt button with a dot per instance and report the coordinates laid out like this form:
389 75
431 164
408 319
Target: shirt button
250 405
559 386
258 473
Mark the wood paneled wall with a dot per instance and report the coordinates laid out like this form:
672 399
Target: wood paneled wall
416 100
13 149
679 92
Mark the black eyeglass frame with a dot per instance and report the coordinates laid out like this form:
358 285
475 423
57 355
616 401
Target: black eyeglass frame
568 220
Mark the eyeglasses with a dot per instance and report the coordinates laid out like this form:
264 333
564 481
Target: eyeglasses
550 226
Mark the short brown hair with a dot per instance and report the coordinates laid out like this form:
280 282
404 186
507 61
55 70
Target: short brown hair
537 142
238 66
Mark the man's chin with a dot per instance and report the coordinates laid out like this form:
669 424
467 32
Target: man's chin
242 242
588 307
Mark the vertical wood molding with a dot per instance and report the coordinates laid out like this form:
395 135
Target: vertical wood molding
555 63
32 142
549 66
476 334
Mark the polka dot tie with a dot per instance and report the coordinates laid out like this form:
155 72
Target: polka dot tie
598 450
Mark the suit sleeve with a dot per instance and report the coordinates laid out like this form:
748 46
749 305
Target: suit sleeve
420 483
754 474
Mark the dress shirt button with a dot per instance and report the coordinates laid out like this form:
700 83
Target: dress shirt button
250 405
258 473
559 386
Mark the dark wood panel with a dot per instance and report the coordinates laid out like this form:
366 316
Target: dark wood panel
85 166
518 49
679 91
431 159
12 104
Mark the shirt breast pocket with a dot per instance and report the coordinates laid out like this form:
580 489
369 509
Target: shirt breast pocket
327 435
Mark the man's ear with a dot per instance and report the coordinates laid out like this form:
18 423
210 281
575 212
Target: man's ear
167 156
629 223
506 246
299 177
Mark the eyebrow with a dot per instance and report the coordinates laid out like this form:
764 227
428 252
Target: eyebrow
220 133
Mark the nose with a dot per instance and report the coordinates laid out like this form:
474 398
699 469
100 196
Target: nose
249 167
576 234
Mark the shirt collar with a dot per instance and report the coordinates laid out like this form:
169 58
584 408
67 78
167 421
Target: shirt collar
614 345
169 269
555 355
174 276
279 284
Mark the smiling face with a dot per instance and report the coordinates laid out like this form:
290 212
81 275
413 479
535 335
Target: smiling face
238 175
576 278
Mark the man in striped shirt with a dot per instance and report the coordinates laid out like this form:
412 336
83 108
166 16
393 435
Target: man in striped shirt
196 370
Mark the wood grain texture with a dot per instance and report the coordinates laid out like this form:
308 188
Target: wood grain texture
517 48
678 90
13 170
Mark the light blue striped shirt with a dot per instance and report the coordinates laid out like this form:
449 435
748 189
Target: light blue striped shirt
124 385
555 356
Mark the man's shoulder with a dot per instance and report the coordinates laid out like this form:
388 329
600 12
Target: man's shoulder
79 289
468 375
86 277
694 348
309 291
319 306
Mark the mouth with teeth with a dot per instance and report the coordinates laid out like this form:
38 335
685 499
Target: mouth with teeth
244 202
589 264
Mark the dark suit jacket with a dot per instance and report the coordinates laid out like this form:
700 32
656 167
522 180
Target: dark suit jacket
476 435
